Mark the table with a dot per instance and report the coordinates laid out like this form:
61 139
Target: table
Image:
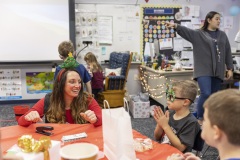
10 134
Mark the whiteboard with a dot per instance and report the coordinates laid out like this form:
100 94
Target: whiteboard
32 30
125 29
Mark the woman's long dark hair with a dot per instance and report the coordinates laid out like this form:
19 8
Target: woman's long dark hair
210 15
56 110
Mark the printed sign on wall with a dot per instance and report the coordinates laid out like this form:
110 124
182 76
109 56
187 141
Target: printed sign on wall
10 84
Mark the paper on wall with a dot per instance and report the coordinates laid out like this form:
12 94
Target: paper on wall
165 43
177 44
228 22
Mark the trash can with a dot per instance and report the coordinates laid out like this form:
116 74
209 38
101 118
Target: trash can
20 110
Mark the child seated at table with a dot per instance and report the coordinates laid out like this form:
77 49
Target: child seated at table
178 126
67 103
221 127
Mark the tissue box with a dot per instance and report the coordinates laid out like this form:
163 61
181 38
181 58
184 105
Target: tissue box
139 109
53 152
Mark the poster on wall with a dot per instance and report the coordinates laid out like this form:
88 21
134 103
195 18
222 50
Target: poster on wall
39 82
105 30
153 27
10 84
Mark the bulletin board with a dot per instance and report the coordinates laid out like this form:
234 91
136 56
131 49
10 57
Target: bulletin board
125 29
153 28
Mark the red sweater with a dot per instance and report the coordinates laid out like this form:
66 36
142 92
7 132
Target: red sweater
39 107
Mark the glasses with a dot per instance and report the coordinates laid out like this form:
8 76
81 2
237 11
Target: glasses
171 97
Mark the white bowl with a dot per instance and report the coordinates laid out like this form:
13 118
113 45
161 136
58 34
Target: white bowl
79 151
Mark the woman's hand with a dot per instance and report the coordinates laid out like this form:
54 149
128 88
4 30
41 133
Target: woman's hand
169 25
33 116
229 74
89 116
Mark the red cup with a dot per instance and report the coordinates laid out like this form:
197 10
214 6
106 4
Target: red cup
20 110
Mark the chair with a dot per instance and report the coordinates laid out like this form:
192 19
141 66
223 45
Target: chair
198 143
114 89
203 154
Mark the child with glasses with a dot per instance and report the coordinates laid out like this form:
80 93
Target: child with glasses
221 127
178 126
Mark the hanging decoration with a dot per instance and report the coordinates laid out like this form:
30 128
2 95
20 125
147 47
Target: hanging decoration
146 1
234 10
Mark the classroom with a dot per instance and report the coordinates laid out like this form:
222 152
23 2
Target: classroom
143 48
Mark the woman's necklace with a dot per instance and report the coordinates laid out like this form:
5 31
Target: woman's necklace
217 50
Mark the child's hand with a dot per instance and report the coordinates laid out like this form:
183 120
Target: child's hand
161 118
89 116
190 156
176 157
33 116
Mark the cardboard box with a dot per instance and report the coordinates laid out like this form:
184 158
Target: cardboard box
53 151
139 109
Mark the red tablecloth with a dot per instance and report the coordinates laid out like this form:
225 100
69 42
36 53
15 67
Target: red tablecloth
9 136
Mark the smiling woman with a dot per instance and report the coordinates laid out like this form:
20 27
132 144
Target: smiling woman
32 30
67 103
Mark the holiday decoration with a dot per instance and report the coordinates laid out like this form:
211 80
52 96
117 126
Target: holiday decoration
234 10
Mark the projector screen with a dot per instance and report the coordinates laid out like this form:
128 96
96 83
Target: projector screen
31 30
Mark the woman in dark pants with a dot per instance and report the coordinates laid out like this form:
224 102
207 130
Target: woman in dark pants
212 56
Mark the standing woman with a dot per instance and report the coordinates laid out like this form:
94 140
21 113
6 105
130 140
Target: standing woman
96 72
212 56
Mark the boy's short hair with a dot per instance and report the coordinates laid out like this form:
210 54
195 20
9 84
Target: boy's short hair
65 47
186 88
223 111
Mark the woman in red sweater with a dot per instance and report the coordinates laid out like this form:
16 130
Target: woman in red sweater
66 104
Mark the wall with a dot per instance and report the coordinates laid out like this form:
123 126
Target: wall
222 6
24 68
125 29
134 85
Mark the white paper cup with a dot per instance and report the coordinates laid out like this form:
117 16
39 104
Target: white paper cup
79 151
